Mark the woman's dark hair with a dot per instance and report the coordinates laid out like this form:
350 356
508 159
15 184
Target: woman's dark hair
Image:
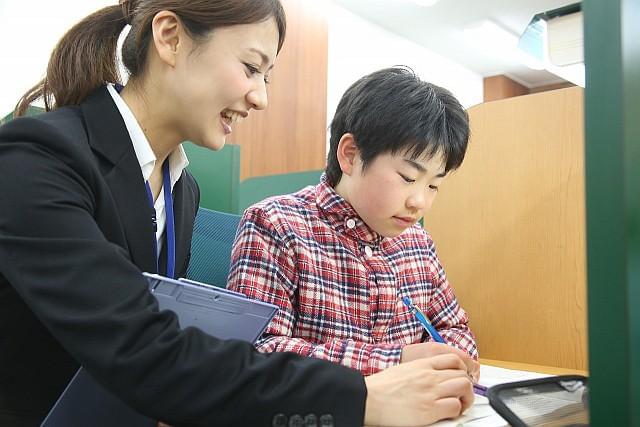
393 111
85 57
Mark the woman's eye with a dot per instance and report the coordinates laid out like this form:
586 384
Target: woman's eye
407 179
255 70
433 187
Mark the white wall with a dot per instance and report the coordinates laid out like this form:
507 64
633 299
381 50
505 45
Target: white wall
358 47
29 30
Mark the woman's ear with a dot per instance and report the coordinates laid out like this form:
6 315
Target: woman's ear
167 33
347 153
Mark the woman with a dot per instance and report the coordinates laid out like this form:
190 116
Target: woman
85 187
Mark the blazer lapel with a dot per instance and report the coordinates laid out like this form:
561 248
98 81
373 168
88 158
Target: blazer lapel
108 136
184 208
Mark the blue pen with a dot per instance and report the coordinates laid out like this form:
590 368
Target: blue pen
423 320
420 316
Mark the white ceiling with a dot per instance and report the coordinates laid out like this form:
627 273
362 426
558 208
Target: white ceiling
439 28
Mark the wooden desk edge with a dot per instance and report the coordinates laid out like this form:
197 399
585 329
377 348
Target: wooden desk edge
551 370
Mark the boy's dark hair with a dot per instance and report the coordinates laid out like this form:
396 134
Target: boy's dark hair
392 110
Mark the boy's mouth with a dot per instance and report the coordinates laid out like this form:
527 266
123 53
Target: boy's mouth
408 220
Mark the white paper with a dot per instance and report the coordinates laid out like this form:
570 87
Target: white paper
481 414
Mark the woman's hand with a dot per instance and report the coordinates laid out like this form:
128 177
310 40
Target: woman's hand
418 393
428 349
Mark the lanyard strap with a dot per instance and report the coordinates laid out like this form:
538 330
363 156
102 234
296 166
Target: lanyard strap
170 229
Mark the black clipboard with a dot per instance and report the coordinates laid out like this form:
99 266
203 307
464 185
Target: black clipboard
217 311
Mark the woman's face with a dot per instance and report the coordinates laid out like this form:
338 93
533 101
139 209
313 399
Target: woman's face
222 80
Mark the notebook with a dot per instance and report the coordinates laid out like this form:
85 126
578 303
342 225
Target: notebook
481 414
216 311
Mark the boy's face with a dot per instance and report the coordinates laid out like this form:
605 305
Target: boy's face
394 192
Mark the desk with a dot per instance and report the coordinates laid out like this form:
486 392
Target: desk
532 368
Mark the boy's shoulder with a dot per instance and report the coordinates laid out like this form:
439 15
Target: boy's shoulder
287 208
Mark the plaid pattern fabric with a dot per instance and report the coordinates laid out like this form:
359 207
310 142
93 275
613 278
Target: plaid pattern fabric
339 284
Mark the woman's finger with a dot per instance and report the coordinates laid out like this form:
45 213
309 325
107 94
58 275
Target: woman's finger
460 388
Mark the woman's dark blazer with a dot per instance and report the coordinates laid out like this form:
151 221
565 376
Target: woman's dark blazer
75 233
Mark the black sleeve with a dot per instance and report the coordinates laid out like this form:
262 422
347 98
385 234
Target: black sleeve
95 302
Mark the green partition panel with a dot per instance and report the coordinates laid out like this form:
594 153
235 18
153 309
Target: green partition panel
31 111
218 175
258 188
612 148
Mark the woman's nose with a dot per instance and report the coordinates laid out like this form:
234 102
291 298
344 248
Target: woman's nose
257 97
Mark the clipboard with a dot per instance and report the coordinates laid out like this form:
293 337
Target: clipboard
216 311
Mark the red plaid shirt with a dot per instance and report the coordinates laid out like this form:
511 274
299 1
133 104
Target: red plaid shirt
339 284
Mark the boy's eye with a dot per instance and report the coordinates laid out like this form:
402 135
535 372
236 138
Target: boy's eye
406 178
252 69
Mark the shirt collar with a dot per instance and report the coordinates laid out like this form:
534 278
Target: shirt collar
146 158
342 216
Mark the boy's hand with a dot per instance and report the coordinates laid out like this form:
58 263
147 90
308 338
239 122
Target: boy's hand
418 393
427 349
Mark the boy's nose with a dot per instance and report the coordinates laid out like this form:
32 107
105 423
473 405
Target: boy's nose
416 201
421 201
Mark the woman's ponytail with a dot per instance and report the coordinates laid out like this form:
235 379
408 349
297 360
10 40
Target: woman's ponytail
83 60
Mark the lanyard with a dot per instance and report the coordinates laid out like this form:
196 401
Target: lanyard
170 232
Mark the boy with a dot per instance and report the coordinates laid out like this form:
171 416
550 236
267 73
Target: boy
339 257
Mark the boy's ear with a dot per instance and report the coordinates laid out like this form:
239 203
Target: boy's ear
347 153
167 32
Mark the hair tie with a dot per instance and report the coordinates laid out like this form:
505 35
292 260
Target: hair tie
127 10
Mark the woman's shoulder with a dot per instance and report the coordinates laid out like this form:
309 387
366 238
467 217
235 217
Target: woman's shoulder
57 138
63 126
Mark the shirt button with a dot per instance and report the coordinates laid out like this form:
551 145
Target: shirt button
351 223
368 251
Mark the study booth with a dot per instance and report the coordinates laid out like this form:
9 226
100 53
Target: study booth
510 230
510 227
